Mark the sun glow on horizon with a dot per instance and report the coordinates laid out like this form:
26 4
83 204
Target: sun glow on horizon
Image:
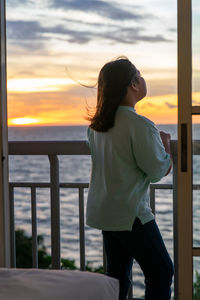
23 121
159 109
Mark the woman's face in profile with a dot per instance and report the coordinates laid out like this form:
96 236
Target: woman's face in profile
142 86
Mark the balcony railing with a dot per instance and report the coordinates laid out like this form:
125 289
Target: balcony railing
52 150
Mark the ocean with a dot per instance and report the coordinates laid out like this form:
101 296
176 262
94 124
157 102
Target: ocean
77 169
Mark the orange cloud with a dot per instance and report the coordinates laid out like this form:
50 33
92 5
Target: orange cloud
159 109
27 85
69 107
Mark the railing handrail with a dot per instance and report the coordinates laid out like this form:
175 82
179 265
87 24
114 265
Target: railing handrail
48 148
69 147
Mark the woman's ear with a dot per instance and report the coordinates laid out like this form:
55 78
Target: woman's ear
134 86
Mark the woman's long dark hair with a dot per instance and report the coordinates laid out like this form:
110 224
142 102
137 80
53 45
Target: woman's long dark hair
113 81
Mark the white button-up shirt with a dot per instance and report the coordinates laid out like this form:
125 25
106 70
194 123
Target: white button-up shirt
125 159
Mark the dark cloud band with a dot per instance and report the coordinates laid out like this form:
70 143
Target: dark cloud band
26 31
170 105
106 9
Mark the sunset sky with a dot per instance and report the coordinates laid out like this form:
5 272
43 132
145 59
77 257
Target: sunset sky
52 42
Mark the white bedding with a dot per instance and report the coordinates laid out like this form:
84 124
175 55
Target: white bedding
37 284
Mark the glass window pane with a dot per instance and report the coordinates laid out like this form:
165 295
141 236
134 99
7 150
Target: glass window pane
52 45
196 52
55 45
196 180
196 278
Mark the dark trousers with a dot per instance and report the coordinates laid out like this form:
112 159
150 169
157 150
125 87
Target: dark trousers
144 244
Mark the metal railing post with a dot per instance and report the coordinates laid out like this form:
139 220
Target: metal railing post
130 291
104 257
34 228
152 199
55 211
175 216
12 227
81 229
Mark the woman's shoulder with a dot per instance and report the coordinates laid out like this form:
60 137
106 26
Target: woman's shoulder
141 121
147 121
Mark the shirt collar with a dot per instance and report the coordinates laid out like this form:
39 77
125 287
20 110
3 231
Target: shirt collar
125 107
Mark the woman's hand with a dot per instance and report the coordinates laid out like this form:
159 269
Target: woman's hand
166 137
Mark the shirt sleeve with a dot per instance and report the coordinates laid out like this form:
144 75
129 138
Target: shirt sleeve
149 151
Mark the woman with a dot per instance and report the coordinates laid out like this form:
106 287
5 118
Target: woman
128 152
